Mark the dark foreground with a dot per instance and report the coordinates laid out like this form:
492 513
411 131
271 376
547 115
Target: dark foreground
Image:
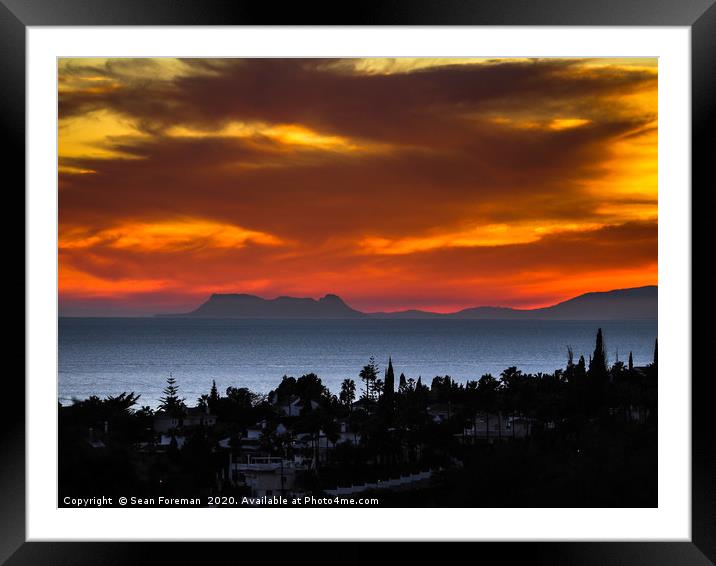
584 436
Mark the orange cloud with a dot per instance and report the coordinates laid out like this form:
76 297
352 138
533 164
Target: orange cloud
482 236
168 236
76 283
395 183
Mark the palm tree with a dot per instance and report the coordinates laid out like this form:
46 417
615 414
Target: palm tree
487 390
369 374
512 386
203 402
121 403
348 393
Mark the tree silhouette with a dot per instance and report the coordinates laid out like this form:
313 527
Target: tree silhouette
487 390
171 403
122 402
348 392
569 371
516 391
581 367
598 361
378 386
598 373
309 387
389 381
213 394
369 374
203 402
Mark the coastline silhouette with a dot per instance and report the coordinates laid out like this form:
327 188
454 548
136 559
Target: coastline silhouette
636 303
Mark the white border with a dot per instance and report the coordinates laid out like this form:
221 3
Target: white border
670 521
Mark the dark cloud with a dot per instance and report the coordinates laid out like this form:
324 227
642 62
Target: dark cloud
424 106
304 193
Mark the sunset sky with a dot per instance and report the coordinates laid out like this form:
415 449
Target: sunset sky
436 184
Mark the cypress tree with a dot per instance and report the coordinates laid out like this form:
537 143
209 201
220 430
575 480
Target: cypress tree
389 382
598 374
213 394
598 361
631 362
387 399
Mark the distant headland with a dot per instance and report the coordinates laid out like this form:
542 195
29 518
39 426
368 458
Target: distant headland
637 303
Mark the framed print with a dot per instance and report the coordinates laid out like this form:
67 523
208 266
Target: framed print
420 275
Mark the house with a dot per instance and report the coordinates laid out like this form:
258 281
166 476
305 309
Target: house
637 414
363 404
293 406
641 371
497 426
163 422
253 434
522 426
264 475
195 416
250 439
441 412
165 441
242 444
346 435
94 440
318 446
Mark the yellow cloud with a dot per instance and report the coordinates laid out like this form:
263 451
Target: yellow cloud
489 235
628 186
555 124
79 73
90 135
394 65
168 236
567 123
288 135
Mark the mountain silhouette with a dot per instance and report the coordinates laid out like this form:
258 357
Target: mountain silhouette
625 304
251 306
637 303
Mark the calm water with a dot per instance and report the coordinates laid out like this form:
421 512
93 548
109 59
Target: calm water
105 356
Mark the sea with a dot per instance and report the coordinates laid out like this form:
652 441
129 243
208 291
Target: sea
108 356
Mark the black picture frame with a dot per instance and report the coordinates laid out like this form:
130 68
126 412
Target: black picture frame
699 15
